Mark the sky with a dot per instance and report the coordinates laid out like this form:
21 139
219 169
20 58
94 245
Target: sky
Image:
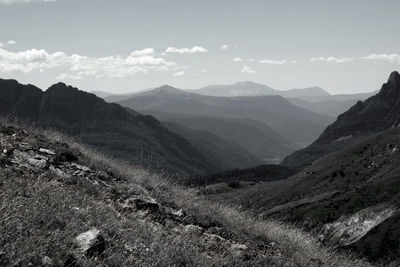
118 46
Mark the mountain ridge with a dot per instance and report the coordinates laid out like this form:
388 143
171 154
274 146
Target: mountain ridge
375 114
294 123
109 127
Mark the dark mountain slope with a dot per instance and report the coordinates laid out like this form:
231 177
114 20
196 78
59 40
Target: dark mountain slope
326 107
108 127
296 124
375 114
350 197
259 140
227 155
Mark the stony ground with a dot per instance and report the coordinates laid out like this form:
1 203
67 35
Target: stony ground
61 206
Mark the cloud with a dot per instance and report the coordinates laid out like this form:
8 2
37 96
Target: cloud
194 49
391 58
237 59
143 52
247 69
12 42
273 62
331 59
24 1
82 66
224 47
1 44
179 73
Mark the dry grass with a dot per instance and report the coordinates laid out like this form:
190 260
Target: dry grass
299 247
40 217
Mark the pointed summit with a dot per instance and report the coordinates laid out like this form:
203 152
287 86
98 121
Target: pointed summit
392 88
394 78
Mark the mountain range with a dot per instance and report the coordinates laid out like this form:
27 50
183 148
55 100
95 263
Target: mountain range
298 125
248 88
117 131
314 99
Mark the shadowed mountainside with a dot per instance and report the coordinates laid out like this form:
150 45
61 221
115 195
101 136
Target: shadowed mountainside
350 197
109 127
259 140
375 114
226 154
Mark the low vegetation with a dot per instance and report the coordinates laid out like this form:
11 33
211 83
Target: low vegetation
44 210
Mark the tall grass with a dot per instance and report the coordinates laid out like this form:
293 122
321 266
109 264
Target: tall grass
41 216
298 247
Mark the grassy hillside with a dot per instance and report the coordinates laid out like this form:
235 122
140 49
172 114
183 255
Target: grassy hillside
358 178
57 196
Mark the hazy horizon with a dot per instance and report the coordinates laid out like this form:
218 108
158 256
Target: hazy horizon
125 46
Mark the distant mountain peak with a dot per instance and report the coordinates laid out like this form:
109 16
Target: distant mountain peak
248 83
167 89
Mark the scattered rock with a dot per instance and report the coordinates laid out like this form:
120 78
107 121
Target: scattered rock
238 249
80 167
213 239
46 261
146 204
46 151
59 172
91 243
27 160
193 229
178 213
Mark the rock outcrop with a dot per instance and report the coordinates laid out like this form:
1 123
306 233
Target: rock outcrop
349 229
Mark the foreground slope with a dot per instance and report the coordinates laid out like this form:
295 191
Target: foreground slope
111 128
375 114
65 205
295 124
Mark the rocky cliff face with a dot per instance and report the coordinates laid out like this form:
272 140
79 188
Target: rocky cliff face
109 127
377 113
